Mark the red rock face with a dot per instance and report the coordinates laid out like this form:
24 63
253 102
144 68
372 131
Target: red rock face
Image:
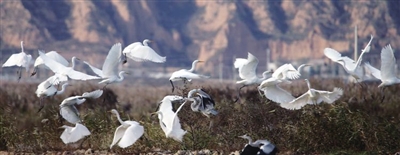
208 30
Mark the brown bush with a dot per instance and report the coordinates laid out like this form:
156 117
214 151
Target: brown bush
357 122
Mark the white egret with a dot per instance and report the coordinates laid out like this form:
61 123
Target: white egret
250 148
247 72
109 72
350 66
288 72
62 72
313 96
272 91
142 52
127 133
202 102
186 75
55 56
74 134
169 120
21 60
47 89
67 107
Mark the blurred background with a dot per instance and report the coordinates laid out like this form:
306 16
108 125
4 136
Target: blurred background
216 32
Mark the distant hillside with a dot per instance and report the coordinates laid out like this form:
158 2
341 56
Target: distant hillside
207 30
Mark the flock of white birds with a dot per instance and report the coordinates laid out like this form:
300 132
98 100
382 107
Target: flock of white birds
129 131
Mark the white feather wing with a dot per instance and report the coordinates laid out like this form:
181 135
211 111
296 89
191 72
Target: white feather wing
277 94
70 113
53 55
329 97
78 132
132 134
388 63
143 53
297 103
374 71
119 132
247 70
15 60
95 70
110 66
94 94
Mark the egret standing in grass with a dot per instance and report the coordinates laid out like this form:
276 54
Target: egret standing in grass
109 72
21 60
142 52
186 75
74 134
313 96
127 133
169 120
247 72
67 107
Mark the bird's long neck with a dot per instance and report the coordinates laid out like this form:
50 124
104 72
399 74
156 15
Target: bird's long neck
145 42
22 46
308 84
73 62
62 89
301 67
193 66
250 140
119 119
121 76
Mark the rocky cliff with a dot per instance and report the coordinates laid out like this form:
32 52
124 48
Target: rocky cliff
214 31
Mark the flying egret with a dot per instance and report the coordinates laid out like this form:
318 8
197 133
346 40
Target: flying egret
46 89
388 67
127 133
313 96
186 75
288 72
273 92
55 56
169 120
62 72
247 72
202 102
250 148
74 134
142 52
350 66
109 72
21 60
67 107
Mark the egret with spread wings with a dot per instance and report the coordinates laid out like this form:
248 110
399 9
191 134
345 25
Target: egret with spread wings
109 72
127 133
142 52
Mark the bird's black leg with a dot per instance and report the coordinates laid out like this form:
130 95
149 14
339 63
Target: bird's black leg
239 93
34 71
41 104
125 59
19 72
172 84
383 93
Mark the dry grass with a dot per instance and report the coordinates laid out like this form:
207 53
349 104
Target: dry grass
358 122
